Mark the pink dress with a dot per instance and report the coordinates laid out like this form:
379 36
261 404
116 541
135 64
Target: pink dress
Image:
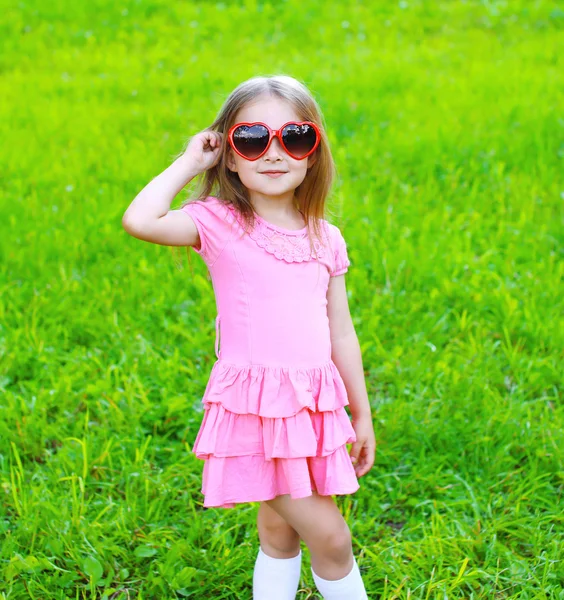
274 418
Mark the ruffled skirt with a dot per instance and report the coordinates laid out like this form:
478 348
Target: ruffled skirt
268 431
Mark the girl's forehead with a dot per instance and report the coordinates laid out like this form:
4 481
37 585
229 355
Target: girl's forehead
272 111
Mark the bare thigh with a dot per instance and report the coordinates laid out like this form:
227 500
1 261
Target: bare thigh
277 537
319 522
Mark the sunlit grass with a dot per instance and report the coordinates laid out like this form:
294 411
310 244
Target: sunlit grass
446 124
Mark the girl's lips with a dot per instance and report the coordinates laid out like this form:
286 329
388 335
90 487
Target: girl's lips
274 175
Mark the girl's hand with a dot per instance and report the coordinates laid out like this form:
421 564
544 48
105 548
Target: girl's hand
364 449
204 150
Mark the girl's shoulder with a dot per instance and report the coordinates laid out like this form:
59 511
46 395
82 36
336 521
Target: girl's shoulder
210 203
213 219
211 209
339 250
333 230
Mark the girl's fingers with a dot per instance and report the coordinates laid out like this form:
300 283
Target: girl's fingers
356 451
368 461
371 454
212 139
358 457
365 460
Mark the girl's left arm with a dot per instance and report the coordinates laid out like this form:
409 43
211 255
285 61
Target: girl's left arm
346 354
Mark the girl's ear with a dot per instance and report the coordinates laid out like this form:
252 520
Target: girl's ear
312 159
230 161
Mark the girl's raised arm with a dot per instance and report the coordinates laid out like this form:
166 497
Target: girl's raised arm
149 217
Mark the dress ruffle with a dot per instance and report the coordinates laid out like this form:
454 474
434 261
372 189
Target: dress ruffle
271 430
224 433
228 481
271 391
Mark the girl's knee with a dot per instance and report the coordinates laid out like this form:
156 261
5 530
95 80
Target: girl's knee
279 543
334 545
276 534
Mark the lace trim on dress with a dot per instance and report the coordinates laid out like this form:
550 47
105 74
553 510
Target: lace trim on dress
290 247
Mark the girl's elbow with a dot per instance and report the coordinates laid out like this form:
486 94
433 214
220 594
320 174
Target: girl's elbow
130 225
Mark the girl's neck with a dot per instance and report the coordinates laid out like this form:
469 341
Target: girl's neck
277 209
282 214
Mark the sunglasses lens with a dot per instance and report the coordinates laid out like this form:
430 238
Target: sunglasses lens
250 141
299 139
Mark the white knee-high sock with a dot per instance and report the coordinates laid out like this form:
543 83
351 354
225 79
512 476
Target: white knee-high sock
276 578
350 587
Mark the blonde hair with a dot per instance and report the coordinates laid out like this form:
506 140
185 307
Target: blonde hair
311 195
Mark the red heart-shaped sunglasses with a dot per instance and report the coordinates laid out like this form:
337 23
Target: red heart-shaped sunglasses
251 140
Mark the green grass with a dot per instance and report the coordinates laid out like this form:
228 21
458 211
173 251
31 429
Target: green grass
446 123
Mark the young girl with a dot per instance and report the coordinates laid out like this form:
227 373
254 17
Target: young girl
275 428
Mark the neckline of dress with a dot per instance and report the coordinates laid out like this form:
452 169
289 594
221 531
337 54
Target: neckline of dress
280 229
271 225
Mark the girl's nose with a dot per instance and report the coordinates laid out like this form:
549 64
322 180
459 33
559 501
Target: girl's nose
275 148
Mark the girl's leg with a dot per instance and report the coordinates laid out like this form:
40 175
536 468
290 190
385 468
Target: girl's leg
277 537
319 522
278 564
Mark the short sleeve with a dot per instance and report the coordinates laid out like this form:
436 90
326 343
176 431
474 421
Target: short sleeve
341 260
211 217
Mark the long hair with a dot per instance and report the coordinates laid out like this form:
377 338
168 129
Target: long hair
311 195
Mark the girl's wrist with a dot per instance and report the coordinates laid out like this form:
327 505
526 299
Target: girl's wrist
360 415
188 167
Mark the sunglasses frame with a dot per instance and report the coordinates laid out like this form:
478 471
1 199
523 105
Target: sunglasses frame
275 133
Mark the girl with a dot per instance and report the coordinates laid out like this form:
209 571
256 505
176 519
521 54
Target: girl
275 428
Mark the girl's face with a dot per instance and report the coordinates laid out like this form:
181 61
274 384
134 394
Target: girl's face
275 112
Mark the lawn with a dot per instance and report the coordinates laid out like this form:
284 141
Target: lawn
446 124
